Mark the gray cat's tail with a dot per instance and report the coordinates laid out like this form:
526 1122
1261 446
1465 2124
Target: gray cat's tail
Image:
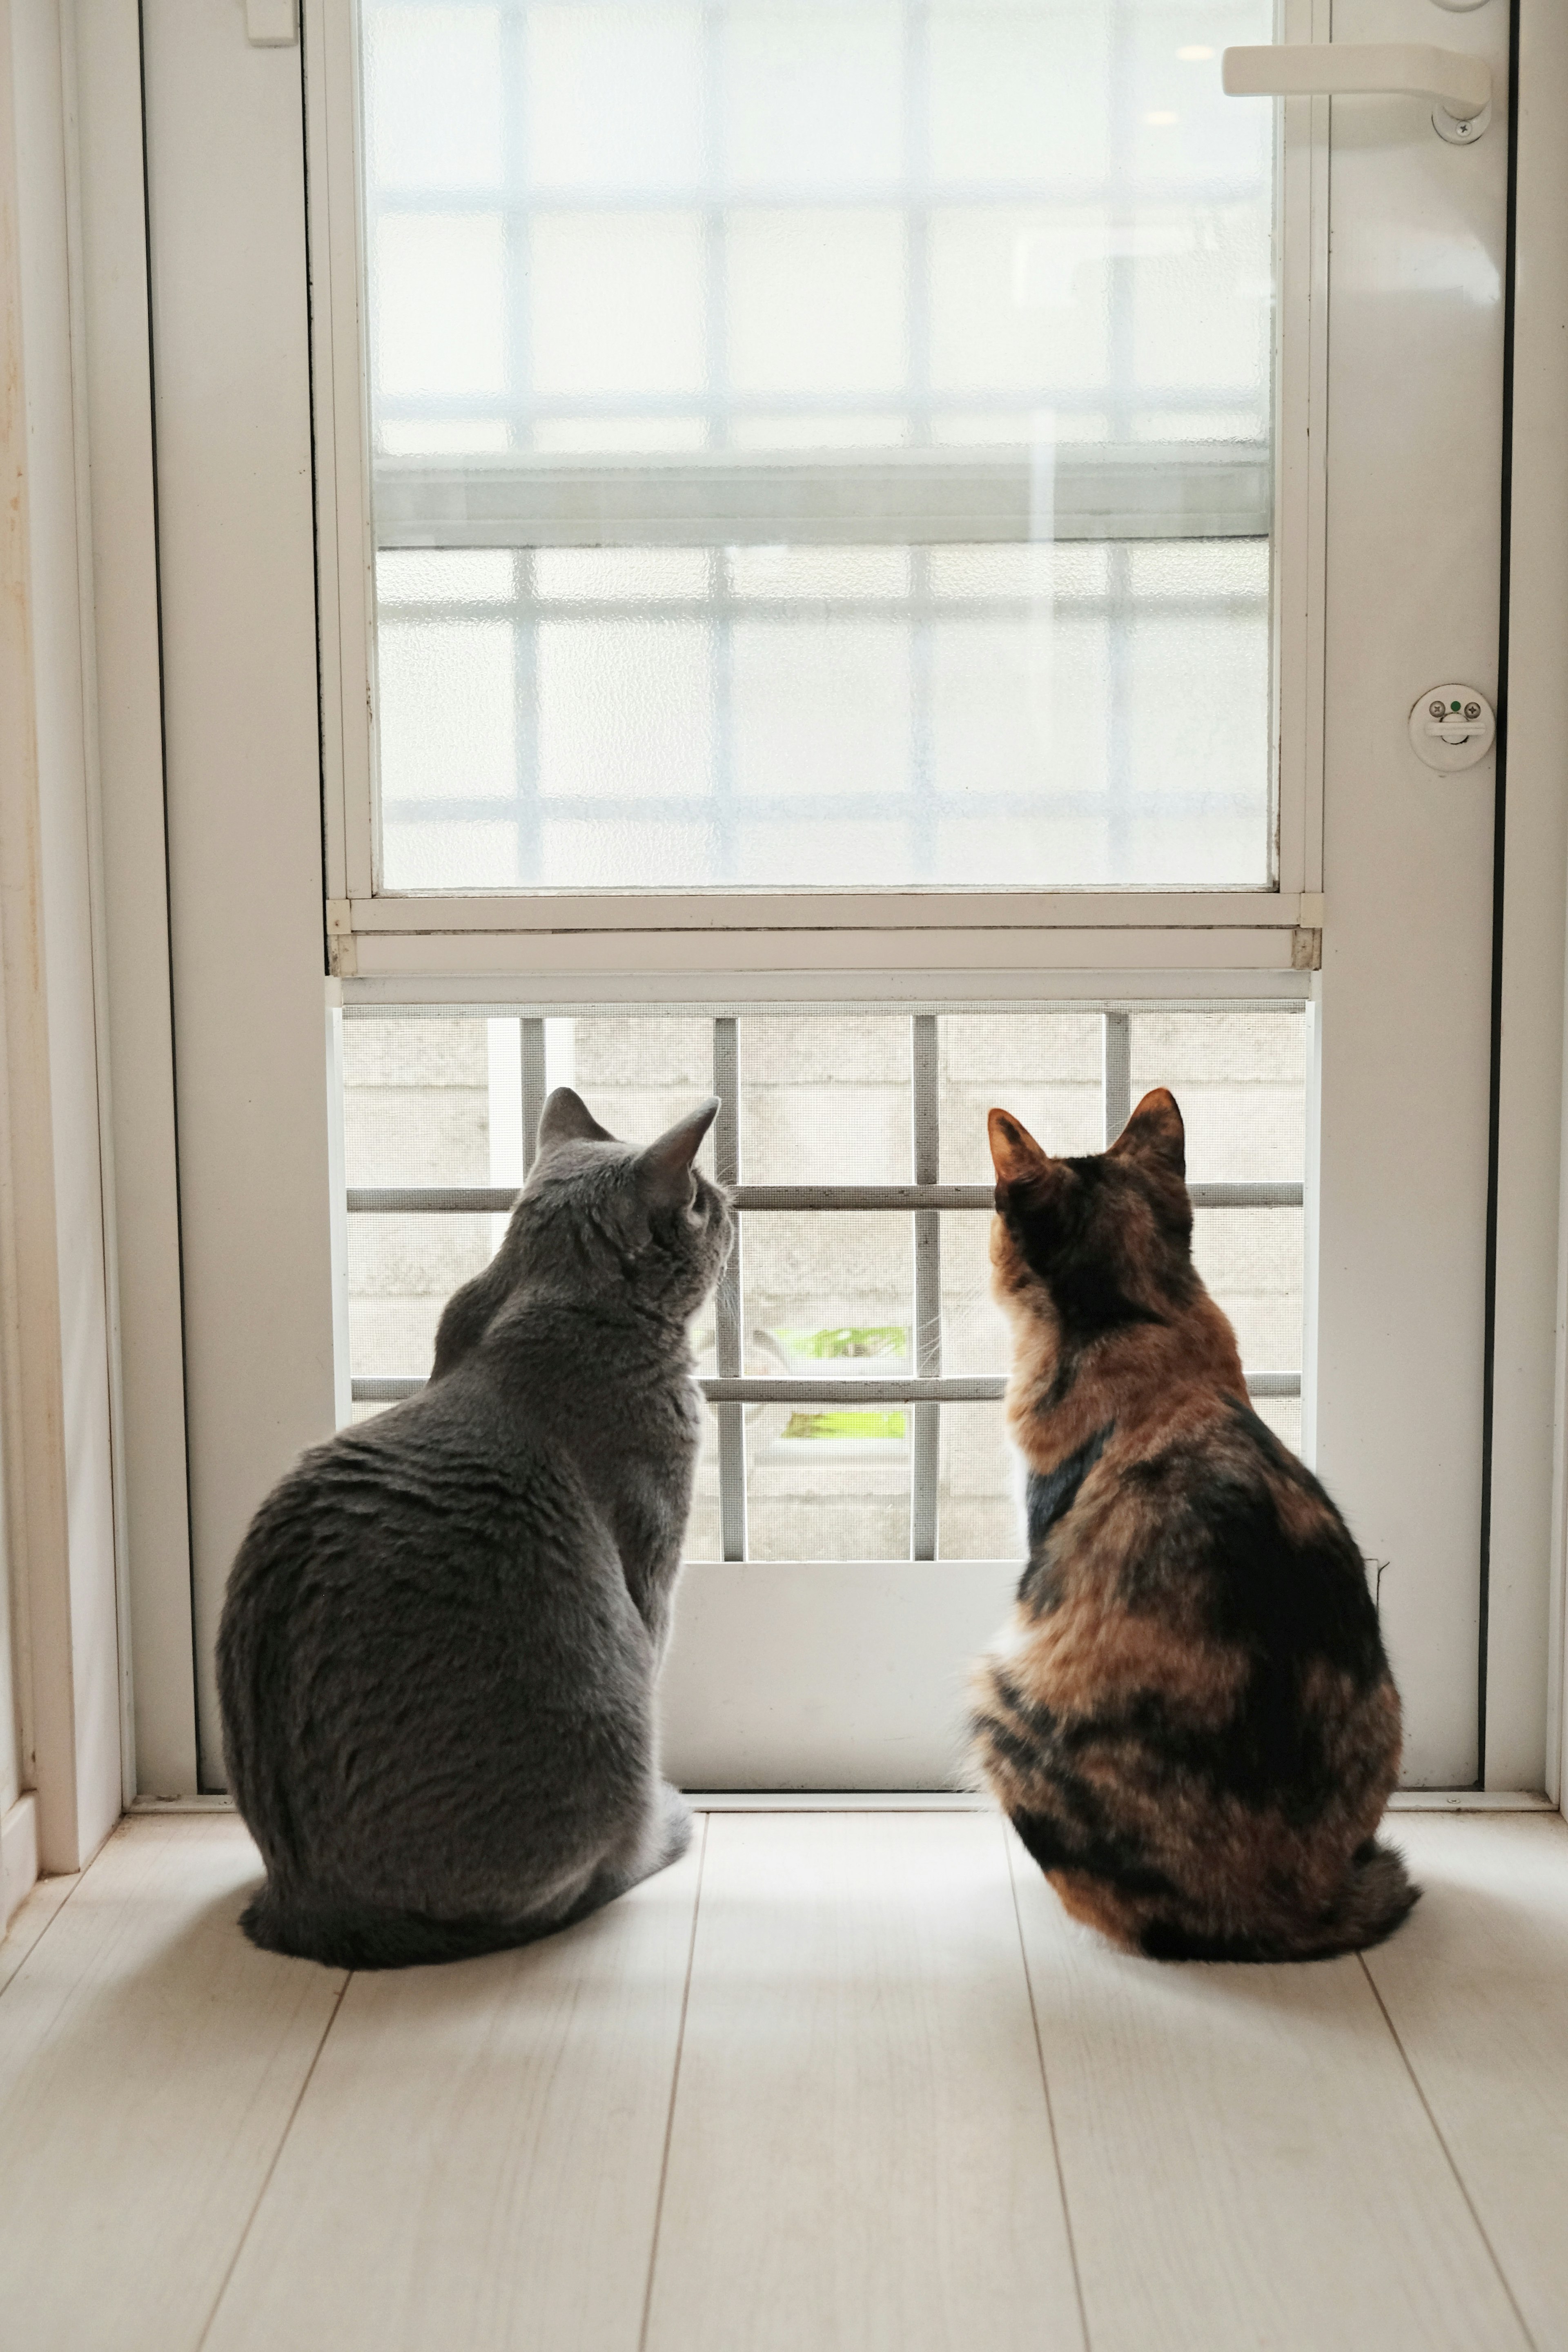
349 1935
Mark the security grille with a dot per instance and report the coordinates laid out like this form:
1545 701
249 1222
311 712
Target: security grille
925 1388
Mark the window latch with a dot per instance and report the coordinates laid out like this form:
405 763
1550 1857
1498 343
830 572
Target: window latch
1461 85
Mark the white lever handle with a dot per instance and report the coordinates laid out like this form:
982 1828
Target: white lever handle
1356 68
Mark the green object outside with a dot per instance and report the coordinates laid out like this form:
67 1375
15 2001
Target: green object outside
844 1424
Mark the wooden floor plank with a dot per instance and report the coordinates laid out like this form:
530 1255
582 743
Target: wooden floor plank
1247 2160
150 2059
860 2153
30 1918
476 2163
1477 1987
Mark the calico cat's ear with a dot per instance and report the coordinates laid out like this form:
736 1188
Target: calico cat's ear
1155 1133
566 1118
665 1168
1015 1154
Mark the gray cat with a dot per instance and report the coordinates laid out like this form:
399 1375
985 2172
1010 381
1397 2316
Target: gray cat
439 1642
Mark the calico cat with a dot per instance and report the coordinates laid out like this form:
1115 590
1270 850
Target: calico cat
1190 1721
438 1646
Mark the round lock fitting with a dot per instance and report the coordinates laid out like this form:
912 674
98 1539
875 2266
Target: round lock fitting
1452 727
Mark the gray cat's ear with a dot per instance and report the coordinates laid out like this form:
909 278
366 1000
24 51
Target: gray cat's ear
665 1167
566 1118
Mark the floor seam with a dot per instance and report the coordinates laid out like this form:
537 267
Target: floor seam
1448 2157
27 1959
1046 2088
674 2087
243 2240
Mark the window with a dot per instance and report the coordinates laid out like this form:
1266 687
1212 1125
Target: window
818 445
853 1356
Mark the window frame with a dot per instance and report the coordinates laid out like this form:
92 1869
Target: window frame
414 938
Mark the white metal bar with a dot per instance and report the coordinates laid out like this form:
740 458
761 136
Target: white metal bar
925 1419
729 1304
966 1388
479 1200
1117 1074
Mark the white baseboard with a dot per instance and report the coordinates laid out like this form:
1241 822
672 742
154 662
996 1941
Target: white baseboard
141 1807
1469 1801
909 1801
19 1856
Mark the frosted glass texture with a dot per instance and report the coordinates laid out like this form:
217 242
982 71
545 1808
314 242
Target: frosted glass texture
819 445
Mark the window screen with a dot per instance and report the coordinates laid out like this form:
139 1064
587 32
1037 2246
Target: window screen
853 1357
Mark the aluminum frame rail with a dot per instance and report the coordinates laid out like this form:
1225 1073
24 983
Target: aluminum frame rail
909 497
925 1389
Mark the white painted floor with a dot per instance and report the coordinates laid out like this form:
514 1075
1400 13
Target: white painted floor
841 2080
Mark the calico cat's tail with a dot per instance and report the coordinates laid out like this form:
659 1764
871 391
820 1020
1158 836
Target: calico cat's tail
1377 1898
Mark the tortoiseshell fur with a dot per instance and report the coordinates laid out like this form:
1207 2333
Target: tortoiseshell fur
1190 1722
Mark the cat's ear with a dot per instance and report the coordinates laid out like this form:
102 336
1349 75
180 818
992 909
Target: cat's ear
1155 1135
566 1118
665 1168
1013 1151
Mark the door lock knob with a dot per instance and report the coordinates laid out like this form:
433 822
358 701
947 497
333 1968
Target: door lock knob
1452 727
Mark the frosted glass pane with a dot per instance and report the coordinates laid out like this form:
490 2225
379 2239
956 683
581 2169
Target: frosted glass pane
1201 316
614 98
817 301
821 709
762 276
1019 302
620 434
1003 86
1075 716
822 429
570 574
662 856
826 572
469 853
812 97
1027 700
445 706
624 709
440 318
420 437
617 302
434 98
444 576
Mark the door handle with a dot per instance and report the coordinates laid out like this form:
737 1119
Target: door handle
1461 85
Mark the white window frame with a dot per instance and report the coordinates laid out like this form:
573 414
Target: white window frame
239 826
427 937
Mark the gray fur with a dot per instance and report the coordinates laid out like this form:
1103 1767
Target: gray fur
441 1634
